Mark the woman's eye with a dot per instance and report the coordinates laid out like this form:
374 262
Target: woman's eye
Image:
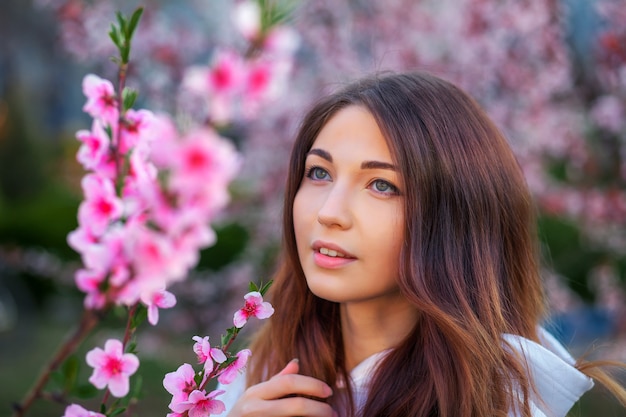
317 173
384 187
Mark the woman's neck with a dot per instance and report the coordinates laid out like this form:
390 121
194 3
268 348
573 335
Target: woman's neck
372 326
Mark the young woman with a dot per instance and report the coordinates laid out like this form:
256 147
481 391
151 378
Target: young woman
409 284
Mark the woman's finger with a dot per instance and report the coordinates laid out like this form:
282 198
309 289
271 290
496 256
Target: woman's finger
282 385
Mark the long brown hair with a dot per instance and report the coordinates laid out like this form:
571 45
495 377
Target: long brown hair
469 259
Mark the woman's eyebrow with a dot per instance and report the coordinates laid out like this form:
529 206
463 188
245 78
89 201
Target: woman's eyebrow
364 165
321 153
378 165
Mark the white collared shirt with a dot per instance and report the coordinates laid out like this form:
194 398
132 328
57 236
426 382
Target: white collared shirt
550 367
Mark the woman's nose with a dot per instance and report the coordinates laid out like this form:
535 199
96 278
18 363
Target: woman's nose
335 211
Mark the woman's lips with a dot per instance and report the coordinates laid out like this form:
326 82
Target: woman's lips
330 256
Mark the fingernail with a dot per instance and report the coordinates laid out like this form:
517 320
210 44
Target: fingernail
328 391
295 360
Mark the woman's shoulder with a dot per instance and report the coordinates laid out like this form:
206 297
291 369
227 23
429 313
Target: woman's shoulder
552 370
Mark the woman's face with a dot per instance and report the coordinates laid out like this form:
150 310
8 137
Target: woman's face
348 212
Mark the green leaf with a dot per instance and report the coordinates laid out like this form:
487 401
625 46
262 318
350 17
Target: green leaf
198 377
140 316
129 96
109 131
85 391
134 20
275 12
132 347
136 390
70 373
265 287
115 36
117 411
252 287
103 409
122 22
58 379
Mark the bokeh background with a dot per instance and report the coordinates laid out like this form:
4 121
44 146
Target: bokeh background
552 74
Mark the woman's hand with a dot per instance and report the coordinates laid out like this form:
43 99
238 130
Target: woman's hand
269 399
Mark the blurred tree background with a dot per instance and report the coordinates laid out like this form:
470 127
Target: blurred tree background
552 73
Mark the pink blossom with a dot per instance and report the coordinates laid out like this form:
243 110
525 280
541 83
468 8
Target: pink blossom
90 281
134 128
206 354
101 99
153 258
75 410
159 299
81 239
254 307
203 159
101 205
608 112
105 253
247 19
165 134
193 238
282 41
200 404
259 78
140 184
112 367
180 383
94 150
226 72
229 373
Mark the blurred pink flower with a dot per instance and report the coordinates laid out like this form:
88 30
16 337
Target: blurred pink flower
75 410
101 99
151 251
203 159
247 19
165 134
229 373
94 150
160 299
112 367
282 41
90 281
254 307
608 112
226 72
101 205
81 239
136 130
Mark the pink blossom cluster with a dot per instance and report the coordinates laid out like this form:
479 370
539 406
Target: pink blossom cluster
234 85
112 368
249 63
515 58
150 196
189 396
